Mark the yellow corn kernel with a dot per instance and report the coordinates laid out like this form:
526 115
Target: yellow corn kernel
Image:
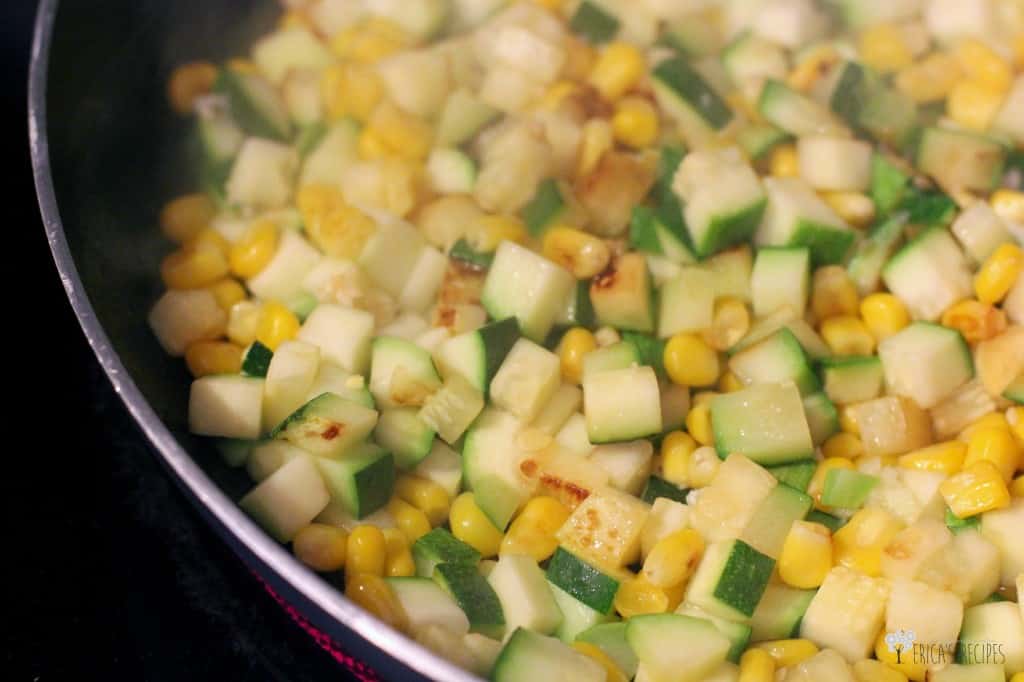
900 661
977 321
1019 677
730 323
673 558
487 232
931 79
848 421
250 254
635 122
847 335
974 105
598 139
729 383
471 525
533 531
884 315
698 424
425 495
868 670
992 420
676 448
573 347
978 488
372 145
947 458
341 232
817 483
321 547
193 267
293 19
372 593
209 238
338 228
638 596
369 41
810 70
806 556
243 322
183 218
843 445
398 133
1017 486
995 445
352 90
999 273
983 64
612 671
703 466
884 48
214 357
756 665
580 57
617 70
243 66
582 254
855 208
277 324
558 93
1008 204
228 292
785 162
690 361
188 82
413 523
399 562
788 652
365 552
1014 419
833 293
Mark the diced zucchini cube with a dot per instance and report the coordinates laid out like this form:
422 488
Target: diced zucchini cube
524 594
933 615
730 580
622 404
327 425
226 406
796 216
343 334
263 174
926 362
628 464
765 422
891 425
686 303
847 613
524 285
526 380
606 527
288 499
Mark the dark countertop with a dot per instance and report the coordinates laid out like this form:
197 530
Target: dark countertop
114 574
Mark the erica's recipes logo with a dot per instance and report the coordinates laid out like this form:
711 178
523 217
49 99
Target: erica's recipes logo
903 643
899 641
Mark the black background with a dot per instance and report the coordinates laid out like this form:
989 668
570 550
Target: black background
108 572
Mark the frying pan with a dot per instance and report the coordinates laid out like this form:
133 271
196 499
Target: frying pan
107 153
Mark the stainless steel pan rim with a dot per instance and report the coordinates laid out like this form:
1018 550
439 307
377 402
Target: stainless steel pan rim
327 608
